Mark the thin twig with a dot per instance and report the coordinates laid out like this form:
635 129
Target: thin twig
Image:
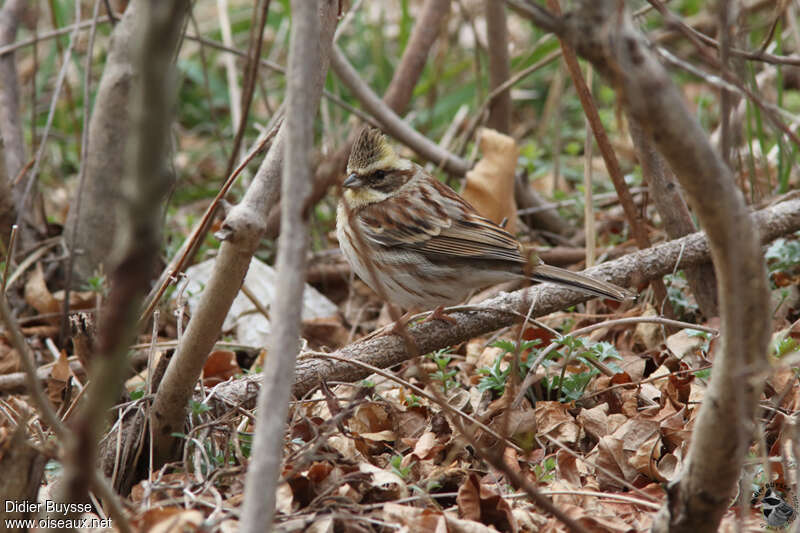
87 83
51 113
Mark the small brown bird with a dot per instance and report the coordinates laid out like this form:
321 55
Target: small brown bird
429 247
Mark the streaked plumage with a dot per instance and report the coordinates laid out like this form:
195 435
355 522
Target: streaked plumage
429 246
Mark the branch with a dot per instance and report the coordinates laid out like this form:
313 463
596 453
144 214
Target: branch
507 309
145 182
10 124
499 68
391 122
273 402
426 29
603 33
666 196
635 222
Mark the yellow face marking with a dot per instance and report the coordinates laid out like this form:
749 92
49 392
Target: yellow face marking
363 196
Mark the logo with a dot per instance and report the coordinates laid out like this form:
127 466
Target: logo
777 503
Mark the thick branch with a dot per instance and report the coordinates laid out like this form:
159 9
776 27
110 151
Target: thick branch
604 34
507 309
12 144
145 183
10 125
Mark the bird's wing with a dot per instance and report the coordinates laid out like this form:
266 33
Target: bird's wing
429 217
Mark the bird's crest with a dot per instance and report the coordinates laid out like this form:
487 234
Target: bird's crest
371 152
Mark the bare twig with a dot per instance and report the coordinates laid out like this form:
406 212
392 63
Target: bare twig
393 124
302 103
609 157
22 211
499 68
87 84
250 77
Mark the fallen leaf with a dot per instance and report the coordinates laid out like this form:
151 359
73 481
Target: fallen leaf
37 295
480 503
220 366
490 183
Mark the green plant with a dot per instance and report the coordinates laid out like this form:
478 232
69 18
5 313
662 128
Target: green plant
198 408
495 378
545 471
677 288
784 344
570 387
96 283
443 374
412 400
783 255
396 463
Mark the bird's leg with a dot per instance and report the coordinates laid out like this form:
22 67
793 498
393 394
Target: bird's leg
439 314
400 324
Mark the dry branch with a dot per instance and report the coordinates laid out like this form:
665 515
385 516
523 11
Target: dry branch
507 309
144 184
305 62
104 168
605 35
10 124
393 124
12 147
499 66
666 195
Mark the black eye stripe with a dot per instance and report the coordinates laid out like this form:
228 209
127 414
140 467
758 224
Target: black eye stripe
378 175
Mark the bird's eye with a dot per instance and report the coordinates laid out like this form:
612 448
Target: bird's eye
379 174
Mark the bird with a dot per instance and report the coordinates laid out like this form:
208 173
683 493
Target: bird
775 509
420 245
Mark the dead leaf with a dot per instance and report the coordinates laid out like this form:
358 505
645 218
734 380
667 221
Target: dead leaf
9 359
490 183
60 375
553 419
37 295
594 421
220 366
415 519
169 520
386 485
480 503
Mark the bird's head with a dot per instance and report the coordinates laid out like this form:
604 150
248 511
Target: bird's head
374 170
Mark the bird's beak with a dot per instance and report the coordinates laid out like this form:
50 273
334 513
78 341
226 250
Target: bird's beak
352 181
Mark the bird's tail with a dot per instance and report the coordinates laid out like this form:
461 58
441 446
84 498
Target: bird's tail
559 276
